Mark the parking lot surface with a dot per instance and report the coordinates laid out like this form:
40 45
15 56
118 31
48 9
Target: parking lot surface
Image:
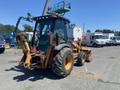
103 73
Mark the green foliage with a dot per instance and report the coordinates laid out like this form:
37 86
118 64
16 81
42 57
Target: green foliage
105 31
88 31
7 28
28 28
117 33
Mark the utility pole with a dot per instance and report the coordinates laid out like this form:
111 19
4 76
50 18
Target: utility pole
83 27
45 7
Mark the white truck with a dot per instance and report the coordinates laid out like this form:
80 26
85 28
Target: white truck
109 41
116 40
94 39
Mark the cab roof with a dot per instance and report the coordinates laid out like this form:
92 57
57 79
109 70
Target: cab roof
50 17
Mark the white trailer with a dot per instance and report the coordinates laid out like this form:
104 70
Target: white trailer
109 40
77 33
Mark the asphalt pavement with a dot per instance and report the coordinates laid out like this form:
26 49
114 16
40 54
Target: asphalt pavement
103 73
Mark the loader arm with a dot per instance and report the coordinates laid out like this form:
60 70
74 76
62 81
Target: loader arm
26 49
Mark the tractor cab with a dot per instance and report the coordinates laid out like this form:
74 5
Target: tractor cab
51 30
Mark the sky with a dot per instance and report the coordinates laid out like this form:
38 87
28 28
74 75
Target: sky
93 14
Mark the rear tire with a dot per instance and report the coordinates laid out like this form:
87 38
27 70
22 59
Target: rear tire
63 63
95 45
81 58
89 59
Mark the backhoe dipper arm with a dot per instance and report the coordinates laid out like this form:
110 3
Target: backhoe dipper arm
25 46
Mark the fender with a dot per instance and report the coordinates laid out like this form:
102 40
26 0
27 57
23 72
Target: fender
61 46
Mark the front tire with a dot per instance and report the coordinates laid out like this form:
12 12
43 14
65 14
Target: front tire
63 63
95 45
81 58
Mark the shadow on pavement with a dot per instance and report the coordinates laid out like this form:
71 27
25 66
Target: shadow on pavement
77 65
32 75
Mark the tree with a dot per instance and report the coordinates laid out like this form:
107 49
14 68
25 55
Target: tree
28 28
104 30
88 31
117 33
6 28
98 30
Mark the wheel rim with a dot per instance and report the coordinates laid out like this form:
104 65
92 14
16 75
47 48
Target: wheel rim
68 62
83 61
